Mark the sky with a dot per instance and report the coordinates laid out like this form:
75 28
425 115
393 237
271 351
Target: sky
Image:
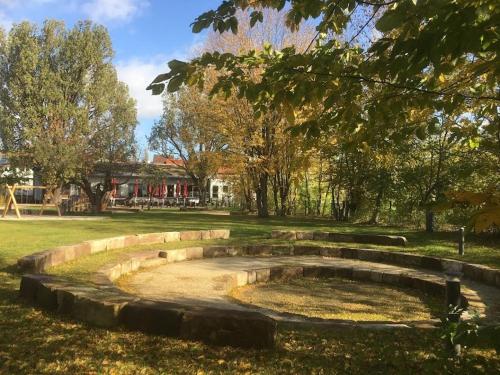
146 34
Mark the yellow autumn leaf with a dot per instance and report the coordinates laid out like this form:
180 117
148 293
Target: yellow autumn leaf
442 79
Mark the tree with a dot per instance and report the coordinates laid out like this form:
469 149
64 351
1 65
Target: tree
63 109
191 129
411 60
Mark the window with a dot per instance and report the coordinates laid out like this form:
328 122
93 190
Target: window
225 189
215 191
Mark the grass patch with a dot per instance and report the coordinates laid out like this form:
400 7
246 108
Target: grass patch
337 298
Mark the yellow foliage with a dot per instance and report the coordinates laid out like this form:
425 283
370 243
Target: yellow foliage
488 202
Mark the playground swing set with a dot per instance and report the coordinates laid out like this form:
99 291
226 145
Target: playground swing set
49 199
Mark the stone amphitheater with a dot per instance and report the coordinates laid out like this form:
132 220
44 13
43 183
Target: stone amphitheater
184 292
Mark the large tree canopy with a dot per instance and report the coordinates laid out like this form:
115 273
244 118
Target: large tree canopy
63 110
429 53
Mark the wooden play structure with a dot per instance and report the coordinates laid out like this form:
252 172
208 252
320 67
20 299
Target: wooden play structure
50 198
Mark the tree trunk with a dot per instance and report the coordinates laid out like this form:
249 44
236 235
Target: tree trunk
376 210
429 221
261 194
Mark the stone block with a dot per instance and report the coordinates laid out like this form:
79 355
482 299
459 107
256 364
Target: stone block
206 235
345 272
361 274
305 236
194 253
452 266
349 253
34 263
252 276
431 263
215 251
65 301
321 236
240 278
29 287
391 278
256 250
289 235
191 235
312 271
286 273
220 234
39 290
152 317
173 256
281 249
233 328
370 255
263 275
97 308
132 240
340 237
97 246
406 280
115 243
327 272
332 252
151 238
171 236
113 272
306 250
233 251
404 259
376 276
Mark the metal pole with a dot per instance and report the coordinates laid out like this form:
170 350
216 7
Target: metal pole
461 241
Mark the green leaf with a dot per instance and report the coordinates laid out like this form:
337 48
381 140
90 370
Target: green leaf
390 20
157 88
175 83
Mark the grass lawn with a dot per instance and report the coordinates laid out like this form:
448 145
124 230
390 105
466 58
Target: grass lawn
36 342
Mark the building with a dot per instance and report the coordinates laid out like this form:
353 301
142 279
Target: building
133 186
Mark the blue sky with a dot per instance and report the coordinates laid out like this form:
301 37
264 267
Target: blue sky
145 34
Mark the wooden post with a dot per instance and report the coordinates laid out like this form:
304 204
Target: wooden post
461 241
11 190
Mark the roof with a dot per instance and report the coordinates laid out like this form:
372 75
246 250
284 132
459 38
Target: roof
158 159
169 161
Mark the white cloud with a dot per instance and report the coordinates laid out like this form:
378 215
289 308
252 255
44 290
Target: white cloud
117 10
138 74
5 21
